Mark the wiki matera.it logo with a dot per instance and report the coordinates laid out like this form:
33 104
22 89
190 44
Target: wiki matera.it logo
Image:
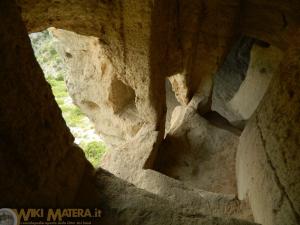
8 217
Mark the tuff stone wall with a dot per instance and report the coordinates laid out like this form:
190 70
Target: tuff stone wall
40 165
96 87
145 42
37 151
125 31
268 154
243 79
193 151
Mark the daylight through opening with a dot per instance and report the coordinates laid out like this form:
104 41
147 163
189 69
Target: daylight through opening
48 55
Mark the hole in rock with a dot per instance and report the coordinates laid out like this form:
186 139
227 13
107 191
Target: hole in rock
200 148
243 79
171 102
121 97
55 68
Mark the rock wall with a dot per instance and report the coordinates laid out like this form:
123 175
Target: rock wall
243 79
135 206
95 87
198 153
230 76
190 38
268 154
141 44
133 164
40 165
263 65
37 152
126 35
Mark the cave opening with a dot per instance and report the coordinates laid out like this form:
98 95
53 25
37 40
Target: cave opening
198 140
203 173
48 55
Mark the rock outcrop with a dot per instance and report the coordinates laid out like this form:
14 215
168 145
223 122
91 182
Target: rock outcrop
37 150
48 169
127 37
198 153
135 206
132 163
230 77
263 65
268 154
243 79
135 46
96 87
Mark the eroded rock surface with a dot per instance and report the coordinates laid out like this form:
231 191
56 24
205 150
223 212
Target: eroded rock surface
268 154
145 42
243 79
131 162
198 153
171 102
264 63
37 150
229 78
96 87
136 206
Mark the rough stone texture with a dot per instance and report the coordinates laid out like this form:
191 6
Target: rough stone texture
40 165
147 41
193 200
37 153
189 37
237 99
48 169
135 206
129 162
271 21
180 88
193 151
229 78
263 64
268 154
171 102
239 88
200 37
127 35
94 86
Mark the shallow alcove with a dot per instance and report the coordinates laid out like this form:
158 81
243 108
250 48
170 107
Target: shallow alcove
242 81
197 144
97 87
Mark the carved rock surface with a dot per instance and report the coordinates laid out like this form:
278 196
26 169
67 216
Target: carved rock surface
268 154
171 102
244 79
146 42
40 166
136 206
130 162
95 87
264 63
198 153
229 78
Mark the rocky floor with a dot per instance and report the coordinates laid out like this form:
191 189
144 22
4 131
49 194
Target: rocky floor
137 206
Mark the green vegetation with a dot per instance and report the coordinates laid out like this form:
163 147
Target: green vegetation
79 124
44 45
94 151
72 114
